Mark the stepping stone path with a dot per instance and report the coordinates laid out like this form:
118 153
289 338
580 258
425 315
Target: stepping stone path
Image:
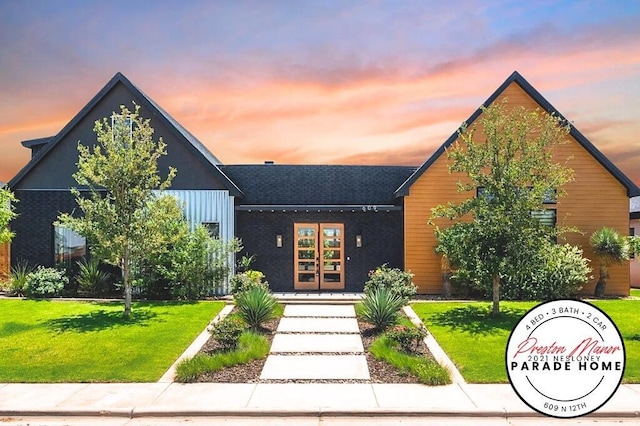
317 343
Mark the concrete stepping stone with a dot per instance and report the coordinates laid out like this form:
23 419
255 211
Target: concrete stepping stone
316 343
319 311
318 325
315 367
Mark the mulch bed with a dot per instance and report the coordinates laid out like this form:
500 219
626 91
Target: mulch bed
379 371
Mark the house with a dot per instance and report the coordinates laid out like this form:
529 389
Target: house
599 196
319 227
310 228
634 229
43 185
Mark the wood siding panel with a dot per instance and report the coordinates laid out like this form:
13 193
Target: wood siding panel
593 200
5 261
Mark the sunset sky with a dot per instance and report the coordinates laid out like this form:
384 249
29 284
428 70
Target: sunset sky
321 82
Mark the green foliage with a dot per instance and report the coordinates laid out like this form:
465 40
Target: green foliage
634 244
45 282
200 264
91 278
398 282
256 306
407 337
18 278
247 280
610 248
7 213
122 219
508 153
251 346
381 307
428 371
227 332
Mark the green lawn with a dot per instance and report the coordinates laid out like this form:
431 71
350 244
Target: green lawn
460 326
635 292
61 341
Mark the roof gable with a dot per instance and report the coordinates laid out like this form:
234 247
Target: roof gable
207 161
515 77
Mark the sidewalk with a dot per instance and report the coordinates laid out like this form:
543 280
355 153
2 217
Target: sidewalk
137 400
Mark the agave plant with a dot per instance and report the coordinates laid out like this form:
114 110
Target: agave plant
610 248
381 307
18 278
90 277
256 306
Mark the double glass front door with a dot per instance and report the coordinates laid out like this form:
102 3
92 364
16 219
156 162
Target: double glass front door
319 256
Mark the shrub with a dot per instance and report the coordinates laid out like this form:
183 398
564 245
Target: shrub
90 277
399 282
18 278
45 282
227 332
256 306
247 280
381 307
407 337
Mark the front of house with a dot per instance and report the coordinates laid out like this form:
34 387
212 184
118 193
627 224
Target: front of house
310 228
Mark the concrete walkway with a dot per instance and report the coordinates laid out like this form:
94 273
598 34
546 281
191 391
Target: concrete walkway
316 342
279 399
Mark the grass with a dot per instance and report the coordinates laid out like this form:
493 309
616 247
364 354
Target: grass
252 346
55 341
458 326
635 292
428 371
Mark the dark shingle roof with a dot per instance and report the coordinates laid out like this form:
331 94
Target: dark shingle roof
632 188
274 184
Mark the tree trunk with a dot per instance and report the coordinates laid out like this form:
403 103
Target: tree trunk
496 296
602 281
127 285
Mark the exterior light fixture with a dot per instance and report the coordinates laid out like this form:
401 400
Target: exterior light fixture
279 240
358 241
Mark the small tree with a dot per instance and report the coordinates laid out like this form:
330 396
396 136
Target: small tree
7 213
123 220
508 162
610 248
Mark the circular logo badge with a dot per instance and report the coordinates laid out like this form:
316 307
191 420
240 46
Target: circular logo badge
565 358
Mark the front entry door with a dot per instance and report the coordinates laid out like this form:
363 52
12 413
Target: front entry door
318 256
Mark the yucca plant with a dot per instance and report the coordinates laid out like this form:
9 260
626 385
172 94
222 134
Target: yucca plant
18 278
90 277
611 248
381 307
256 306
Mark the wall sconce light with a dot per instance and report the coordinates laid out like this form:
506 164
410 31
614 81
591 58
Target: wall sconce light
279 240
358 241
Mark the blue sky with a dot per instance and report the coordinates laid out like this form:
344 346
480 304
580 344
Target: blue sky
321 81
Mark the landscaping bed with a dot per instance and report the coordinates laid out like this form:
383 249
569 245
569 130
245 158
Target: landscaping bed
379 371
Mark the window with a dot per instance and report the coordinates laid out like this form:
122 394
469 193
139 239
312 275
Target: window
68 246
546 217
481 192
213 228
122 126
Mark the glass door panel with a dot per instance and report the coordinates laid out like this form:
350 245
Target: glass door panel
332 274
306 256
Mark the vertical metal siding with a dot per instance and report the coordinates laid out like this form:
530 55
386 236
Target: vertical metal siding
202 206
